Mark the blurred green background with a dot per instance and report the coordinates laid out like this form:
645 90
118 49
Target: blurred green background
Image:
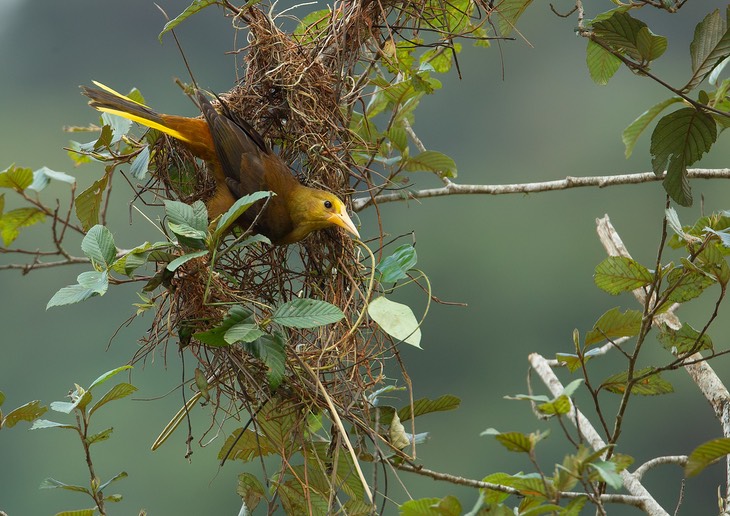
523 264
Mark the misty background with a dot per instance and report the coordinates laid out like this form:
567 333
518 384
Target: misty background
522 263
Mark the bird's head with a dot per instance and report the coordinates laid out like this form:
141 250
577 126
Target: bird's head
314 209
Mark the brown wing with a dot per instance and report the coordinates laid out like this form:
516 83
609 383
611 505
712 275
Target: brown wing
240 156
249 166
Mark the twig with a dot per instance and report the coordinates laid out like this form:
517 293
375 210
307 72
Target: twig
27 267
337 421
642 69
635 501
681 460
544 186
631 482
699 370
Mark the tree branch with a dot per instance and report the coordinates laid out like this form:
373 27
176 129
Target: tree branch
544 186
680 460
699 370
635 501
631 482
27 267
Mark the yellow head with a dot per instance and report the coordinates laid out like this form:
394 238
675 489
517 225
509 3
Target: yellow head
313 209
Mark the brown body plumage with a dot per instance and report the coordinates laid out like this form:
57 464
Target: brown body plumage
241 163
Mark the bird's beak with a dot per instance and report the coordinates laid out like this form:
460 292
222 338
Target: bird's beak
343 220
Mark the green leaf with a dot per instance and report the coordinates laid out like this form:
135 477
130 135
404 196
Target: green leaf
398 137
618 274
88 203
559 406
250 490
313 25
306 313
395 267
396 319
244 332
109 374
238 208
531 485
621 31
516 441
16 178
12 221
118 476
80 398
188 236
280 423
440 58
570 389
706 454
105 136
676 184
197 5
27 412
678 140
649 45
426 406
177 262
99 436
509 12
710 45
614 324
137 257
98 246
631 134
119 126
685 284
684 340
90 284
117 392
246 446
270 349
653 385
43 176
78 512
447 506
52 483
713 262
606 470
193 215
140 164
602 64
492 496
294 500
41 424
216 335
432 161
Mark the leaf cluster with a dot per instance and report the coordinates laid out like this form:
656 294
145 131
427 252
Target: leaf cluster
82 407
680 138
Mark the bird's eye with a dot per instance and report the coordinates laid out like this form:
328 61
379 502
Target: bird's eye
328 205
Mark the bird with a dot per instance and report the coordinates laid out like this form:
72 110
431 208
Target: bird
241 163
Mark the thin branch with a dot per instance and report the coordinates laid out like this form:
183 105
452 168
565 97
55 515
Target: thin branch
642 69
680 460
701 373
544 186
635 501
631 482
27 267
